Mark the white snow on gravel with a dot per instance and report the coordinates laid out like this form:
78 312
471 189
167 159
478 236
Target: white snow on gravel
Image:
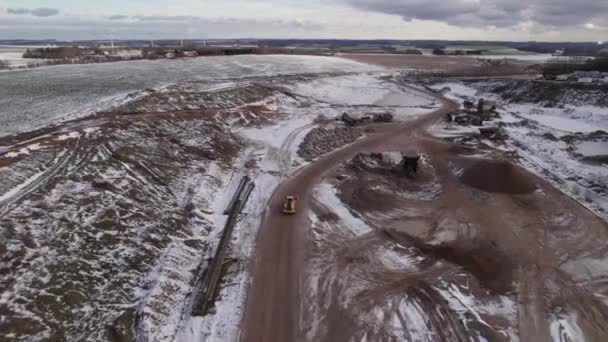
587 269
275 135
562 124
565 329
347 90
566 120
178 266
222 324
397 258
68 136
456 91
14 191
467 305
326 194
23 150
369 91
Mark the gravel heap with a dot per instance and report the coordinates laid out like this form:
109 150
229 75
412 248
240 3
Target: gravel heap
498 177
321 141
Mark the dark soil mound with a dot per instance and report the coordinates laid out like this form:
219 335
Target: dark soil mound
483 259
498 177
493 270
596 159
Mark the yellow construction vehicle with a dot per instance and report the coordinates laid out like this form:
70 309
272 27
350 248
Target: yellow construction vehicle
289 206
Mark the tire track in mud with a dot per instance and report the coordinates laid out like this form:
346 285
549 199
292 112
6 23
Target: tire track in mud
58 166
403 296
284 153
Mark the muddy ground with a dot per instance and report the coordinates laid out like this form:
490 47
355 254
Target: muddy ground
473 247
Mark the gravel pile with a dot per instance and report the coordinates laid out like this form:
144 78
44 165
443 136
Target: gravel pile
321 141
498 177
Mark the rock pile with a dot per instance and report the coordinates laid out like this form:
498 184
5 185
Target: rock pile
321 141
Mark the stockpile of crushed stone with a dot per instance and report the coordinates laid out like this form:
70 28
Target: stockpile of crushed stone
321 141
498 177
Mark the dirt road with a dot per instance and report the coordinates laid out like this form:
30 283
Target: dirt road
273 304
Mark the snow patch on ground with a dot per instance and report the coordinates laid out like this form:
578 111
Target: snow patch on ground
366 94
397 258
468 306
327 194
358 89
23 150
592 148
222 324
71 135
14 191
179 265
567 120
565 329
456 90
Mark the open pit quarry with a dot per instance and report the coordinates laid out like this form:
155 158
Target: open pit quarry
149 206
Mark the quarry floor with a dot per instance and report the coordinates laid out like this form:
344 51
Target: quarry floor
482 247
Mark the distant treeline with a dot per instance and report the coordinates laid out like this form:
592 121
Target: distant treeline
53 53
569 48
560 67
159 52
442 52
572 49
88 55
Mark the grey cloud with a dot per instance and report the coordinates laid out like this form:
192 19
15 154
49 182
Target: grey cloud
500 13
38 12
118 17
304 24
146 27
163 18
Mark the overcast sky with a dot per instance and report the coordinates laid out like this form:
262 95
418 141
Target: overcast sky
518 20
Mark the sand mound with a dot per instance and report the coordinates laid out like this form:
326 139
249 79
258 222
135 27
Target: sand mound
498 177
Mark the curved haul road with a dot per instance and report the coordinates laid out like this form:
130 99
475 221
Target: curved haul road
272 311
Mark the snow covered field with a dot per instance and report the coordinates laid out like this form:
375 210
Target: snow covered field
528 58
365 94
35 98
13 56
